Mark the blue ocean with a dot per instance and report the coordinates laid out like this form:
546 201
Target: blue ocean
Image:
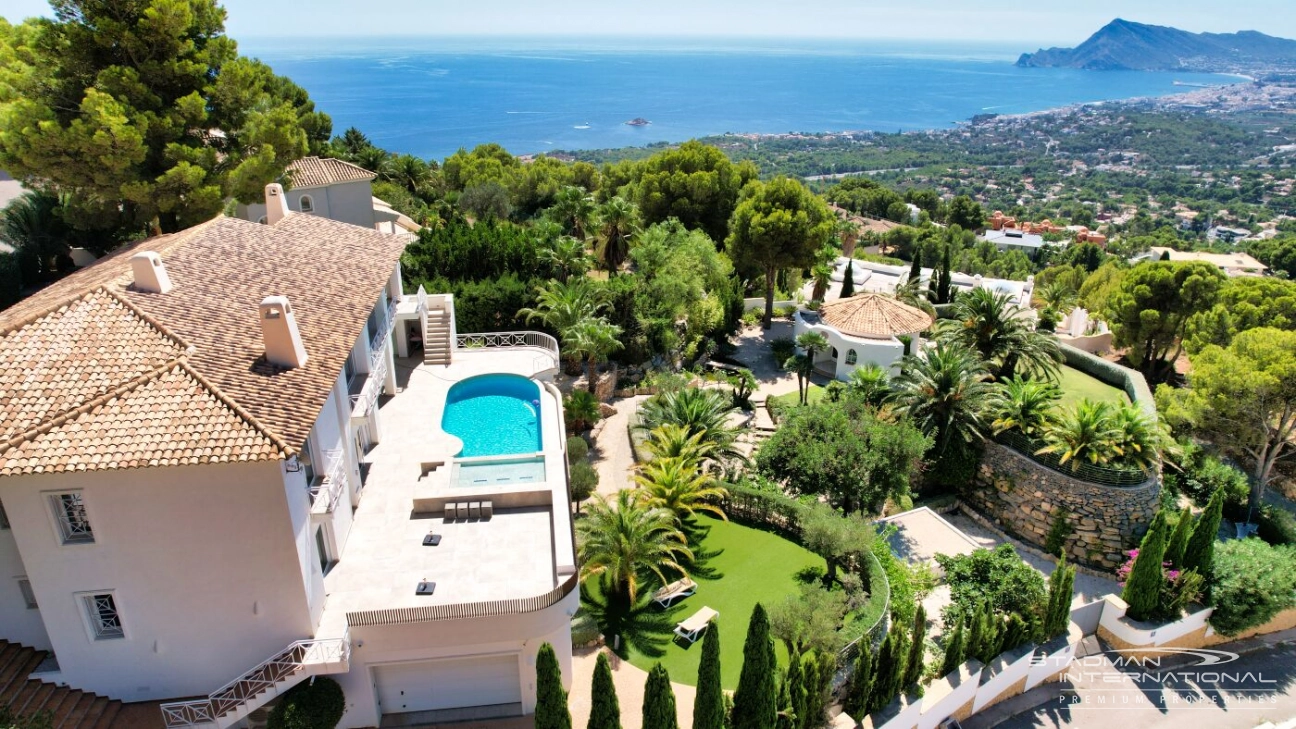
431 96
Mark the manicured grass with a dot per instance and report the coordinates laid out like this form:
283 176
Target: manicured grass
791 399
737 567
1077 386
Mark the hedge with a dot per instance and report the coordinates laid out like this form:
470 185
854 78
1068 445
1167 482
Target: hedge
316 703
1122 378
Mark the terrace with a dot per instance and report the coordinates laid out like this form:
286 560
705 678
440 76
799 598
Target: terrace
523 550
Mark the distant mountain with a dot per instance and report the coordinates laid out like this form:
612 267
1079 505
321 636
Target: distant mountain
1125 45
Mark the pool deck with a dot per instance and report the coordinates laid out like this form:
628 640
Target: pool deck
524 550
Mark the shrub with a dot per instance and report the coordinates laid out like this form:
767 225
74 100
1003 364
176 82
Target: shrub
1277 526
997 576
581 410
1200 474
577 449
584 628
782 348
1059 531
583 481
1253 582
315 703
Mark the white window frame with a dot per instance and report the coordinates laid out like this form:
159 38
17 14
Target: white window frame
29 595
852 357
96 629
306 204
69 530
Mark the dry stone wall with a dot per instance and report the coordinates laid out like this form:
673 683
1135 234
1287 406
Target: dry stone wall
1023 497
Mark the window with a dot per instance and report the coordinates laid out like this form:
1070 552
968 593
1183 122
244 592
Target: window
307 205
261 220
851 357
101 610
70 512
321 550
4 518
24 586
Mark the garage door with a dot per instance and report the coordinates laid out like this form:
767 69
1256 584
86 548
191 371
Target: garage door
448 684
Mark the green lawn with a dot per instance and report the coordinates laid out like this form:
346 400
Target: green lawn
791 399
1077 386
737 567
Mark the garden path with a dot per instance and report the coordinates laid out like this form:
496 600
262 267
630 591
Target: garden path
629 681
611 453
753 351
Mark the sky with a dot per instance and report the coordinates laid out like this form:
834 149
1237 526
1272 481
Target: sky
1022 23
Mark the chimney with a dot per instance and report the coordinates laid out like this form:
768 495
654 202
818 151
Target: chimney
276 203
150 274
283 344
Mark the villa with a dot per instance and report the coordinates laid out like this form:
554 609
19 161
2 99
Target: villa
227 468
338 190
1232 264
862 330
1015 239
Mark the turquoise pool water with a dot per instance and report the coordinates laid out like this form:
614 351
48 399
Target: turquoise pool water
500 472
494 415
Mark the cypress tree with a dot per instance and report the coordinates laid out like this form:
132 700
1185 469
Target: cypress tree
605 709
915 269
946 279
955 650
848 283
856 702
1178 545
1061 585
708 707
659 700
794 686
755 701
975 632
890 669
551 700
1143 585
917 649
1200 554
818 685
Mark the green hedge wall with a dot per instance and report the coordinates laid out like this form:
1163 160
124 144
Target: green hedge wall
1131 381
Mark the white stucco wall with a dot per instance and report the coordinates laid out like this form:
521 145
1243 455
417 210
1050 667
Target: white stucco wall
202 561
520 634
349 202
18 624
885 353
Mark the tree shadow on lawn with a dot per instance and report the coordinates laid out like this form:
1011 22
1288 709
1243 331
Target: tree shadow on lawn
642 625
699 569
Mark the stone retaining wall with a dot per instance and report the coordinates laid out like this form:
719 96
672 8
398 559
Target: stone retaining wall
1023 497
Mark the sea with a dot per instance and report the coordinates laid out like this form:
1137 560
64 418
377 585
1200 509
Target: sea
432 96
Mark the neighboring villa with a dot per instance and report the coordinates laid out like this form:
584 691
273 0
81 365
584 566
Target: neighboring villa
220 476
337 190
1014 239
882 278
1232 264
863 330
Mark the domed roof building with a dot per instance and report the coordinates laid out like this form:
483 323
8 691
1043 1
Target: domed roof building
870 328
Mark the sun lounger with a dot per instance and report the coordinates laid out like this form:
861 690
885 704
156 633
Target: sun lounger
677 590
697 622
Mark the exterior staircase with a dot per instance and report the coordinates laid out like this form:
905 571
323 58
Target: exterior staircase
67 708
242 697
436 340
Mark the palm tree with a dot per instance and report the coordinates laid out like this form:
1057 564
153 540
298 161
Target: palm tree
573 208
408 171
593 338
988 322
560 305
912 294
624 539
822 275
566 256
945 392
677 441
1028 407
1059 297
1085 434
704 412
618 218
848 232
1137 439
680 487
870 383
811 343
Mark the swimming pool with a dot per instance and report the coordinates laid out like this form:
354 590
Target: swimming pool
494 415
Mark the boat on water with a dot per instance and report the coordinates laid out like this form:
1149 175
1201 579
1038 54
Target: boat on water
638 122
586 125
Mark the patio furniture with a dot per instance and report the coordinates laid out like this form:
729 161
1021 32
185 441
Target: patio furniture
474 509
677 590
487 509
692 628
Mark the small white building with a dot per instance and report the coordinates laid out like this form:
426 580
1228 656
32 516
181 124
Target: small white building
1013 239
213 461
863 330
337 190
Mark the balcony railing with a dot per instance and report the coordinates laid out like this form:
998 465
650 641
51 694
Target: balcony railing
324 656
513 340
330 490
382 330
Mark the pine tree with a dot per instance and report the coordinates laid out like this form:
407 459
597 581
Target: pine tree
915 269
708 707
605 710
890 669
917 649
755 701
955 650
1178 545
1061 586
1200 554
861 684
659 700
1143 585
551 699
848 283
794 688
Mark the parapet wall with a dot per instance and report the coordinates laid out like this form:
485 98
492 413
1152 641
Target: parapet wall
1023 497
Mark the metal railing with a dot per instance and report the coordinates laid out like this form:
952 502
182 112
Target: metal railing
362 401
513 340
263 678
378 340
1081 471
466 609
335 480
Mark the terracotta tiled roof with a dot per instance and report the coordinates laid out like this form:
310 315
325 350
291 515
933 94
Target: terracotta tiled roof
321 171
165 418
93 333
874 316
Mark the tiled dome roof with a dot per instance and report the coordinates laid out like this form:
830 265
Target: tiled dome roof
874 316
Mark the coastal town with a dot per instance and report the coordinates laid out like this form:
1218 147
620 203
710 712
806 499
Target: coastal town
991 425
